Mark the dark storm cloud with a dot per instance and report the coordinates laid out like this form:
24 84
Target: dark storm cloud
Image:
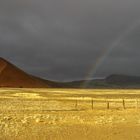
63 39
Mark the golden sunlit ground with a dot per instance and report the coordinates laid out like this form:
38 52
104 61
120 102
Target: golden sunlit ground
69 114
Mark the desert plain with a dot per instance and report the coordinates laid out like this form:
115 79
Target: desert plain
69 114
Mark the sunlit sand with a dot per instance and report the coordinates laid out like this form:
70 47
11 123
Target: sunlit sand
69 114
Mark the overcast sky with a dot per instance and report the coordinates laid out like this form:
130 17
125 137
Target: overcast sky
71 39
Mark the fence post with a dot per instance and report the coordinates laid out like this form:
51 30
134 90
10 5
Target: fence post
92 104
123 102
108 105
76 104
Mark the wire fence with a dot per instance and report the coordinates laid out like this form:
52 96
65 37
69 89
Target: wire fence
69 104
109 104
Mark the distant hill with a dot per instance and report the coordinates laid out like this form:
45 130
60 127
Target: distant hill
112 81
125 81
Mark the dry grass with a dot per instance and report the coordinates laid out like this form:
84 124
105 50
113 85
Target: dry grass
52 114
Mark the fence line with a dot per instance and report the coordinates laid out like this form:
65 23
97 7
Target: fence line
103 103
134 103
76 104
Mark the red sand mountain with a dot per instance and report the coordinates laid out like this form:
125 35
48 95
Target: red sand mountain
11 76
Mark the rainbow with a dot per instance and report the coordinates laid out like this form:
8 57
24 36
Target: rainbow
105 52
